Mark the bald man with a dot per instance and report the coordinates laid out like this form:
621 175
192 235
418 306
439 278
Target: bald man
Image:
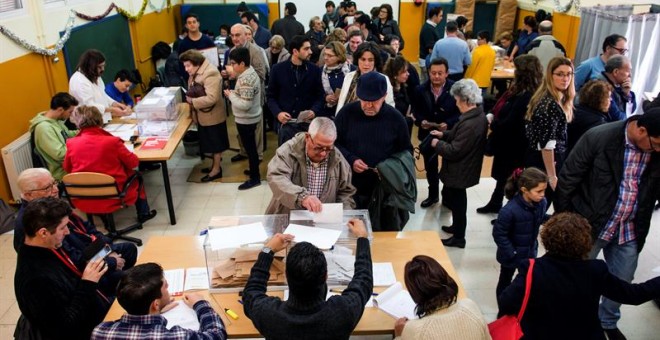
38 183
545 46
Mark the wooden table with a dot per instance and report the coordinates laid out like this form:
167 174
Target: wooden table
396 247
504 71
163 155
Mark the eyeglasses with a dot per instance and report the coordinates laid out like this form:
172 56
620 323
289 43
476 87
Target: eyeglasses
50 186
654 146
620 50
563 75
318 148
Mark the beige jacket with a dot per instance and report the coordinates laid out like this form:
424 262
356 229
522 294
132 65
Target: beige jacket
210 109
287 178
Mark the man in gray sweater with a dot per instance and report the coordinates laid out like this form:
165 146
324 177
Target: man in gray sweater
246 106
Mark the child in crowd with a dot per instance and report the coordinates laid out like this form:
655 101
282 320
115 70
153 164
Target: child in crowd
518 222
118 90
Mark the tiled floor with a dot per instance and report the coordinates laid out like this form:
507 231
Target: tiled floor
476 265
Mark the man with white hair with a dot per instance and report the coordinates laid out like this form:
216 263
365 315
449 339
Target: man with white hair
308 170
35 183
618 74
239 36
546 46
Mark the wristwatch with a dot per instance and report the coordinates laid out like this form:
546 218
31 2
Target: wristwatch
267 250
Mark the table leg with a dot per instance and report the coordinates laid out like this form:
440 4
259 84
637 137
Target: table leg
168 191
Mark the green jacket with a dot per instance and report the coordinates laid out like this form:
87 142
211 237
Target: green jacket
50 141
396 194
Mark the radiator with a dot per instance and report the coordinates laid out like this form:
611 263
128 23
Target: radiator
17 157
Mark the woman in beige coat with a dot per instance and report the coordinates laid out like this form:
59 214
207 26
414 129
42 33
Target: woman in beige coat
208 108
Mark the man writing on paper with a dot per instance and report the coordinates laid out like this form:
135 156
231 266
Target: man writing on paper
307 314
308 170
142 292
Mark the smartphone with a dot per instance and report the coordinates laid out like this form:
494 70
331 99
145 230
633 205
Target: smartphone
102 254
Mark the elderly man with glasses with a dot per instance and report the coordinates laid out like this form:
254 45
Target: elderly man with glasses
38 183
618 73
308 170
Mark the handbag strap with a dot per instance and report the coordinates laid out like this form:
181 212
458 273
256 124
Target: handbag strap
528 289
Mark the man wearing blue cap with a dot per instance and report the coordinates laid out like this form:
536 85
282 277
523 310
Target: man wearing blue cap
369 132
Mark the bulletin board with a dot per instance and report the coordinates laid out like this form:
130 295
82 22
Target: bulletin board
111 36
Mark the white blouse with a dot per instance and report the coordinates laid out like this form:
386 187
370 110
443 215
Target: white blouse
88 93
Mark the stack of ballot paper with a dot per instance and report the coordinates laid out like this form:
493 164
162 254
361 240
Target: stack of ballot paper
322 238
181 280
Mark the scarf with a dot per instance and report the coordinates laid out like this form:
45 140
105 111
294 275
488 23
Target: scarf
325 78
352 89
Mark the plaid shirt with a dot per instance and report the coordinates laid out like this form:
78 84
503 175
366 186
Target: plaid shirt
316 176
139 327
622 223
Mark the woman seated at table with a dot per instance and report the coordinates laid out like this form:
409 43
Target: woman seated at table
95 150
566 287
441 315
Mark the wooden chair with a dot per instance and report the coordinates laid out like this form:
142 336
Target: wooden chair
85 190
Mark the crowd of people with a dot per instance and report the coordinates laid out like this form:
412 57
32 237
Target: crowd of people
343 102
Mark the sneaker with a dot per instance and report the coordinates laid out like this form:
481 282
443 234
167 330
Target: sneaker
147 217
249 184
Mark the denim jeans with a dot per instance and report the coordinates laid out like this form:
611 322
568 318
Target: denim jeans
622 262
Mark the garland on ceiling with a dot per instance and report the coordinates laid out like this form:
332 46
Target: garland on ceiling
563 8
70 23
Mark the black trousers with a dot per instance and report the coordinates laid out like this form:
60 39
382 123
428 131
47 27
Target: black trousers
247 134
456 199
431 166
456 76
506 276
289 130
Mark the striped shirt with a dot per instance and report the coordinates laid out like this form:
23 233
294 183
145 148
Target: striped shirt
139 327
621 224
317 173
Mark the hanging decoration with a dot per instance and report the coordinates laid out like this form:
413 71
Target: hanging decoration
43 51
561 8
70 22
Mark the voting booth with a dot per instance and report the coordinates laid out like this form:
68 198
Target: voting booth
233 244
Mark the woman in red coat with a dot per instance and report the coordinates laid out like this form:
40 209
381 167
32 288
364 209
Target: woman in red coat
95 150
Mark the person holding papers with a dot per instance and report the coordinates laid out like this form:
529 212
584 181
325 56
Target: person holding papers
95 150
307 314
87 86
308 171
441 315
142 292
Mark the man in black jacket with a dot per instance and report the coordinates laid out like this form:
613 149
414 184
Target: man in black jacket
288 27
434 109
612 177
307 314
58 300
428 35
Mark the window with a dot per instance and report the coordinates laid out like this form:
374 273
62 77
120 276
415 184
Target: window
10 5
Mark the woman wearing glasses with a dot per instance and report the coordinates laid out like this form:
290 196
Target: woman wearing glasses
548 114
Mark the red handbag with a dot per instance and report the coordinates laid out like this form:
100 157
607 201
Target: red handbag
508 326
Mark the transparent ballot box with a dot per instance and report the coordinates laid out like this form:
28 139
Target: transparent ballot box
229 264
159 104
341 257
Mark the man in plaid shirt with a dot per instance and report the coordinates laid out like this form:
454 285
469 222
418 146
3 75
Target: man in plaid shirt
142 292
612 178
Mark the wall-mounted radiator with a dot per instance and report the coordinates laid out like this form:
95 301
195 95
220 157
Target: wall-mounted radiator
17 157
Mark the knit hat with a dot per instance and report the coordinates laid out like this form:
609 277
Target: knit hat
371 86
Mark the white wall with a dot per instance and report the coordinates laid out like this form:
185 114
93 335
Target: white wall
41 25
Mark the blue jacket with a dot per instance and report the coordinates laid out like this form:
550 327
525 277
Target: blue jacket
516 231
285 94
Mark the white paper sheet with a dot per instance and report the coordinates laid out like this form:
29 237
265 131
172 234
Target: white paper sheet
396 302
161 91
182 316
125 135
175 278
150 101
330 213
196 278
383 274
321 237
233 237
301 215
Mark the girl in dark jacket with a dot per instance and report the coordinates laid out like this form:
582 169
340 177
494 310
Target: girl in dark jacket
517 225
